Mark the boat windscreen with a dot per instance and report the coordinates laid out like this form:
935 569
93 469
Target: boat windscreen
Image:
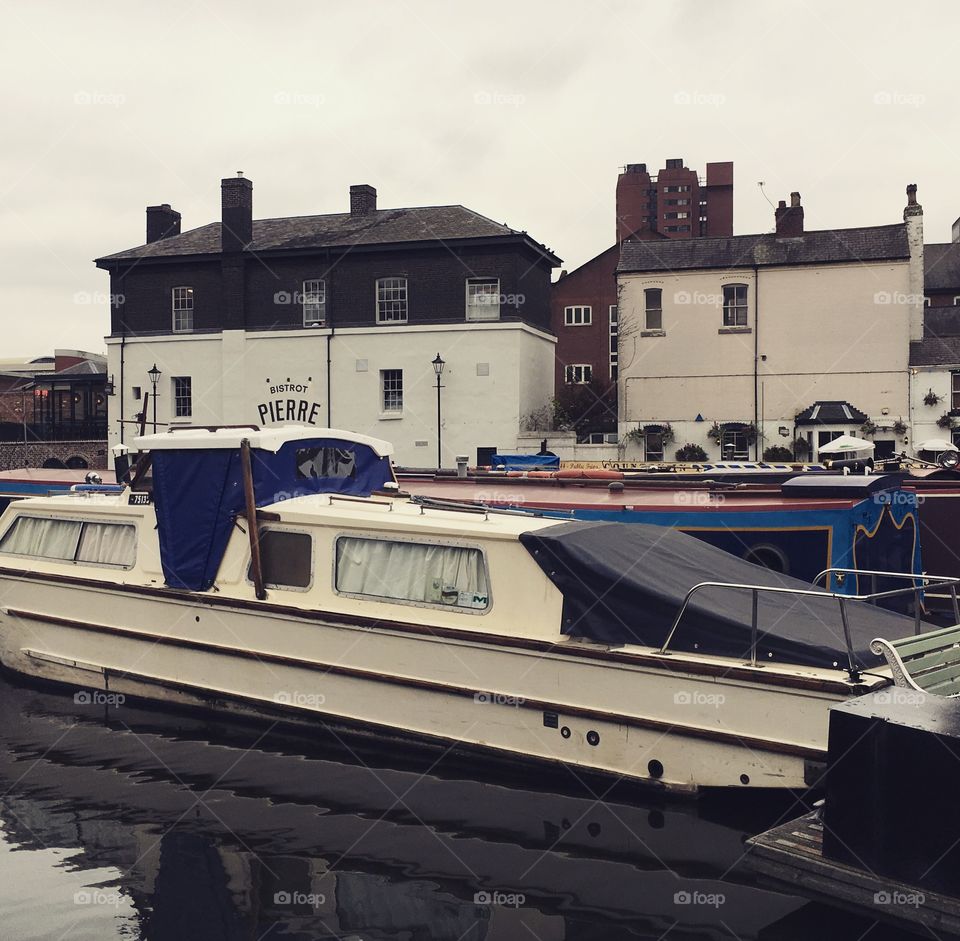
625 584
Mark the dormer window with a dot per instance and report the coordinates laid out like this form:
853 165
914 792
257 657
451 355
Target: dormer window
182 303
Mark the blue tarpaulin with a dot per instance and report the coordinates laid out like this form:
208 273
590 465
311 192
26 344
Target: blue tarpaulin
199 492
521 462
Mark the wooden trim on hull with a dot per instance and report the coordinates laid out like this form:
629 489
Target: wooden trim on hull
719 736
667 662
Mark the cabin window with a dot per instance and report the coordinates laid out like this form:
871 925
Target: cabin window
286 559
416 573
326 462
112 544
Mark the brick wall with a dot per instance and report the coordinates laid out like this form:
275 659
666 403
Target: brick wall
225 296
39 452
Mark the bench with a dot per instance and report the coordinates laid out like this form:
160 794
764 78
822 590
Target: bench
928 662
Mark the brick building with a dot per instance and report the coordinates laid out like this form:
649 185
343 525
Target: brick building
674 204
335 320
53 411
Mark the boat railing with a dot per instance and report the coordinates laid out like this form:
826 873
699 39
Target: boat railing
929 581
842 600
452 506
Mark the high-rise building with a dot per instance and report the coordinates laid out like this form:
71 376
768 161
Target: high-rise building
674 204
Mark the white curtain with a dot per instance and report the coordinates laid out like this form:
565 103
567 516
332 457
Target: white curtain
108 544
404 571
47 538
104 543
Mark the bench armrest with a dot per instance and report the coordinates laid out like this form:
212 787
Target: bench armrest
901 675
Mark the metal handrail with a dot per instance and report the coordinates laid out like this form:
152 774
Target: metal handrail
929 581
841 600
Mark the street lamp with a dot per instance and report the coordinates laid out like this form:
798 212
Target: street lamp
438 365
154 376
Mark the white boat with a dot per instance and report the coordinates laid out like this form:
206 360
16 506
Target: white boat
279 573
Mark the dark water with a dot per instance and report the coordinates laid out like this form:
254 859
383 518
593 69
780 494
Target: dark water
136 823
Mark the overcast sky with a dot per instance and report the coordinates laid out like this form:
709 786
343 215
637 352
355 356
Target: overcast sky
521 110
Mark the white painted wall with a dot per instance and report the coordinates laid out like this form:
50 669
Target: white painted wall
826 332
925 379
494 373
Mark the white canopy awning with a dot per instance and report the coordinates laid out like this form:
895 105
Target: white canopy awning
846 444
936 445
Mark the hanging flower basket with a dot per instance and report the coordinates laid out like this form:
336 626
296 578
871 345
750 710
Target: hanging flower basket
869 427
945 421
931 398
899 427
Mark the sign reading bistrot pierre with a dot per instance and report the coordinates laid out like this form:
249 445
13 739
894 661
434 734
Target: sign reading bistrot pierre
289 401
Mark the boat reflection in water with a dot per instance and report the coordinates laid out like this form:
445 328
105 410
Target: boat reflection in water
126 821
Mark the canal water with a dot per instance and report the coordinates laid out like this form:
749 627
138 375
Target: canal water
119 821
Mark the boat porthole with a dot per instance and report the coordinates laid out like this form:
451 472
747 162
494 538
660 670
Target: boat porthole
593 738
744 778
655 768
197 619
565 731
593 829
565 823
656 820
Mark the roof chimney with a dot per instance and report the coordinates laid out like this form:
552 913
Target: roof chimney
789 219
363 200
913 208
162 222
236 201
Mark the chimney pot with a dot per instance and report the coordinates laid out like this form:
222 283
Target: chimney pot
162 222
363 199
794 199
236 206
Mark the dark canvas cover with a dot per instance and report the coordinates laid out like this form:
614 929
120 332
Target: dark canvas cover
625 584
199 493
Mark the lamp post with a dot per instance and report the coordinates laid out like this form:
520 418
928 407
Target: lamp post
438 365
154 376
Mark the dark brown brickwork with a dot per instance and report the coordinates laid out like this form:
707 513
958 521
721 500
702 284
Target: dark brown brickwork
264 292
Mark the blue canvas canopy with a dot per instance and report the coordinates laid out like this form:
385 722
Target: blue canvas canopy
520 462
198 491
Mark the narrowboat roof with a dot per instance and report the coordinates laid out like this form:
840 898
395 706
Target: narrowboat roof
264 439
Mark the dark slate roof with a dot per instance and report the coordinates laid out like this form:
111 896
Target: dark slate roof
935 351
941 267
341 229
831 413
876 243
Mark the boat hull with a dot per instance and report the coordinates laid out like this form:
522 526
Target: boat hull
665 721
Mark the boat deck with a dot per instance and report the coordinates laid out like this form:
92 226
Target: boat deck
792 855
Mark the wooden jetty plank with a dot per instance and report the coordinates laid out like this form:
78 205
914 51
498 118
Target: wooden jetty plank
792 854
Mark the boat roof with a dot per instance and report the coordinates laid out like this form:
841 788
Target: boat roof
595 495
264 439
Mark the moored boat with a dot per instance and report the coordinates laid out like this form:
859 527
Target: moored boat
279 573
